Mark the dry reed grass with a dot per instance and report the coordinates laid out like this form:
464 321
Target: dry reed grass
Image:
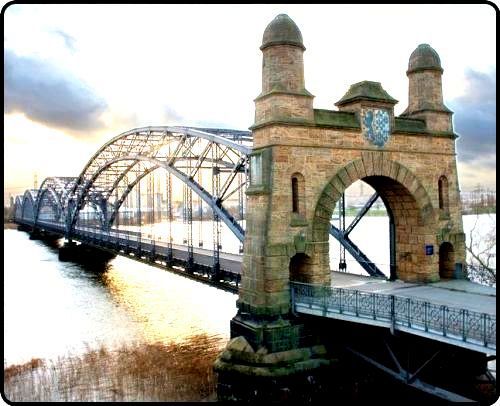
133 372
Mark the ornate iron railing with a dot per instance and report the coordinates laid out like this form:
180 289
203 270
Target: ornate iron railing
396 311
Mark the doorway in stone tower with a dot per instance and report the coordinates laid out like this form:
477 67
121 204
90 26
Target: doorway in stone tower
299 265
446 260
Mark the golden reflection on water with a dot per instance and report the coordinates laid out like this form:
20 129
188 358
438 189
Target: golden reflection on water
168 307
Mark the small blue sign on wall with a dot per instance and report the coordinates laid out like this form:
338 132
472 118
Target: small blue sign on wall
429 249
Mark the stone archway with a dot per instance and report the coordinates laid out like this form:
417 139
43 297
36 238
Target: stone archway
405 197
446 260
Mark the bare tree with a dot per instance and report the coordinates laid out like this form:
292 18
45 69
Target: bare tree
481 249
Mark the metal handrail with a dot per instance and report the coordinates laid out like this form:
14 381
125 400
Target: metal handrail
455 323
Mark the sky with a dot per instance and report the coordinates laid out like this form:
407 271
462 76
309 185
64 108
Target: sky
77 75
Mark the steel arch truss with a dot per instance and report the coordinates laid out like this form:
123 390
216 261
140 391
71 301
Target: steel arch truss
51 196
18 208
119 165
28 205
46 201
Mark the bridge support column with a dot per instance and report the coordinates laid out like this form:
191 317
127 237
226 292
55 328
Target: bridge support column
68 251
271 361
22 227
84 253
44 235
35 235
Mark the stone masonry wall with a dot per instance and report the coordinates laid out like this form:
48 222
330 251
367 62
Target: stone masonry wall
282 106
425 90
435 120
282 69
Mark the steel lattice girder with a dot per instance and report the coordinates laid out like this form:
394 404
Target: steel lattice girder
18 207
182 151
54 191
29 197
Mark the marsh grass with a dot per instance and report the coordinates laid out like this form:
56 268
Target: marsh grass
132 372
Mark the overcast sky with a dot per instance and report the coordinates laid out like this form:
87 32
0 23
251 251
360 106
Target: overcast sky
78 75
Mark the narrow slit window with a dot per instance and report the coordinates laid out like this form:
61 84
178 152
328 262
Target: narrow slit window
443 194
256 169
295 195
298 195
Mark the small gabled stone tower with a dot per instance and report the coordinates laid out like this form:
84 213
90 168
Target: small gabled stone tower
425 92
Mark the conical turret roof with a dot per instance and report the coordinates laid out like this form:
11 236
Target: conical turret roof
424 58
282 31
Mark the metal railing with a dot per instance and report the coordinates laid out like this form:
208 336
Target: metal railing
397 312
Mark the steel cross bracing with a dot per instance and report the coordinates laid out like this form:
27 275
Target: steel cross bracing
342 235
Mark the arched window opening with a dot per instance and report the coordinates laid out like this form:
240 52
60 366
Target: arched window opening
298 194
443 194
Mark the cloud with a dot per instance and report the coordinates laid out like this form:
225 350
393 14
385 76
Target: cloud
171 116
69 41
47 95
470 175
475 119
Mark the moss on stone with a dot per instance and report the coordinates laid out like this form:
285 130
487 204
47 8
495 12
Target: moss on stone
424 58
409 125
341 119
366 90
282 31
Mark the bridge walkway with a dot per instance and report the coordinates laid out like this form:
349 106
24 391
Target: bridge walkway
457 312
453 293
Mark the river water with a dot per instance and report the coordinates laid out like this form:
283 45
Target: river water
54 308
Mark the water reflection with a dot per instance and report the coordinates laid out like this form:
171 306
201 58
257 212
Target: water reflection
167 307
52 307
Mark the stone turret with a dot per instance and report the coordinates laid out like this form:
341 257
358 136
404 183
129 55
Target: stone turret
425 94
284 97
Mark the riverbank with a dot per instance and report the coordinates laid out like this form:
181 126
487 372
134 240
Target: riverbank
136 372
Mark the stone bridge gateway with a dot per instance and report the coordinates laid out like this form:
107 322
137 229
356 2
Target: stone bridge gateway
302 161
327 151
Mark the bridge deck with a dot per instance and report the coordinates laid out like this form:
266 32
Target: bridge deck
453 293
